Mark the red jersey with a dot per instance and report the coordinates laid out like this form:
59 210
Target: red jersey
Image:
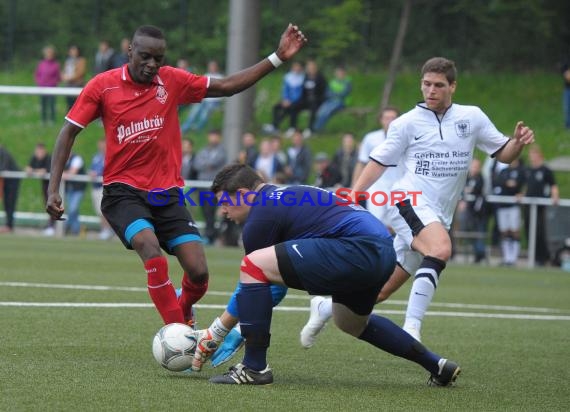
141 123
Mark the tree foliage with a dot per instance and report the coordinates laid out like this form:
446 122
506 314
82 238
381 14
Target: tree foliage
483 34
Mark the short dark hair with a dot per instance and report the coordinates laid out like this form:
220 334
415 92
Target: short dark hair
441 65
235 176
149 31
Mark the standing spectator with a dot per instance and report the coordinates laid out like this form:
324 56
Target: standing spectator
188 170
511 181
391 175
300 160
337 98
540 182
74 192
209 161
473 211
291 91
266 163
74 70
345 159
200 112
103 57
566 92
313 95
248 152
122 57
96 172
48 74
326 173
39 165
277 147
10 187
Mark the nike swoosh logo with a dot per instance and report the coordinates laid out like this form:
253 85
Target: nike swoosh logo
296 250
418 137
421 294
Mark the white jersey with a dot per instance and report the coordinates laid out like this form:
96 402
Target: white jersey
437 152
369 143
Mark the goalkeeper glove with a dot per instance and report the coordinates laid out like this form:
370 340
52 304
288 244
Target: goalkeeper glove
208 341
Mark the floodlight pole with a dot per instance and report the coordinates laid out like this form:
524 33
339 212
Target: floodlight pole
243 51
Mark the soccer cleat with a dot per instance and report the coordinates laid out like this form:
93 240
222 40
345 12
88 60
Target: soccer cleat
242 375
447 373
315 324
233 342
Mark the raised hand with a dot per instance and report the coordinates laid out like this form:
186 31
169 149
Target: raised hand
523 134
292 40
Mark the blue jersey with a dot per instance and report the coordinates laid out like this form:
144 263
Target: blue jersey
279 214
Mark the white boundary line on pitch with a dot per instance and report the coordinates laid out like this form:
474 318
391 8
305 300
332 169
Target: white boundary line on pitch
283 309
289 296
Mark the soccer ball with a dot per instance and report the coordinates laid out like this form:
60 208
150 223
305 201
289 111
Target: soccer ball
174 345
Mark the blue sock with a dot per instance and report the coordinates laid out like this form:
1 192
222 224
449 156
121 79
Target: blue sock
255 307
278 292
386 335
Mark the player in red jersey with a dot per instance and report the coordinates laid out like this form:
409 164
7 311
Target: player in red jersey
138 106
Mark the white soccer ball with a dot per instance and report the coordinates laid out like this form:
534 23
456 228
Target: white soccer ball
174 345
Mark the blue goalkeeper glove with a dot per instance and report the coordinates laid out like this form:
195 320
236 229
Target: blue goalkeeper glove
231 345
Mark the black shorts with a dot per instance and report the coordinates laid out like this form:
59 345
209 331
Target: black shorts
351 269
129 210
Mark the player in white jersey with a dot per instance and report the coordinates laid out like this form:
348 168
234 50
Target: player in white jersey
437 139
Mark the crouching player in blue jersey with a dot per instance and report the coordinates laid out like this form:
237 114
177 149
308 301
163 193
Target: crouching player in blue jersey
307 239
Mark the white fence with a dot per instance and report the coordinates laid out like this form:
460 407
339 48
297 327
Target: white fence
533 203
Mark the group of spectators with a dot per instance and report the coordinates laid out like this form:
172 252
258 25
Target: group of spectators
515 180
73 71
307 89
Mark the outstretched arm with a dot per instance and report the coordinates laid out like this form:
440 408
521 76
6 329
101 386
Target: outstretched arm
522 136
292 40
63 145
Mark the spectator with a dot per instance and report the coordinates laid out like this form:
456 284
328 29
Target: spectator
103 57
188 171
10 187
74 70
540 183
39 166
248 153
184 65
300 160
566 93
291 90
511 181
326 174
472 212
313 95
48 74
266 163
96 172
277 144
209 161
74 192
345 159
200 112
337 98
122 57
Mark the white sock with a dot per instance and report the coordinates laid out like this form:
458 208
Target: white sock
420 297
325 309
516 246
505 249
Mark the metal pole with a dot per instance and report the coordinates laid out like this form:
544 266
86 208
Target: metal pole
533 215
243 51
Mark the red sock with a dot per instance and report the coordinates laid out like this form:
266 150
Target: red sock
161 290
191 293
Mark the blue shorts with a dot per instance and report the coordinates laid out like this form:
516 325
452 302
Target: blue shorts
350 269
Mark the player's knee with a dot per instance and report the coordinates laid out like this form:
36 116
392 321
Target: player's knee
441 251
146 248
249 270
353 326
